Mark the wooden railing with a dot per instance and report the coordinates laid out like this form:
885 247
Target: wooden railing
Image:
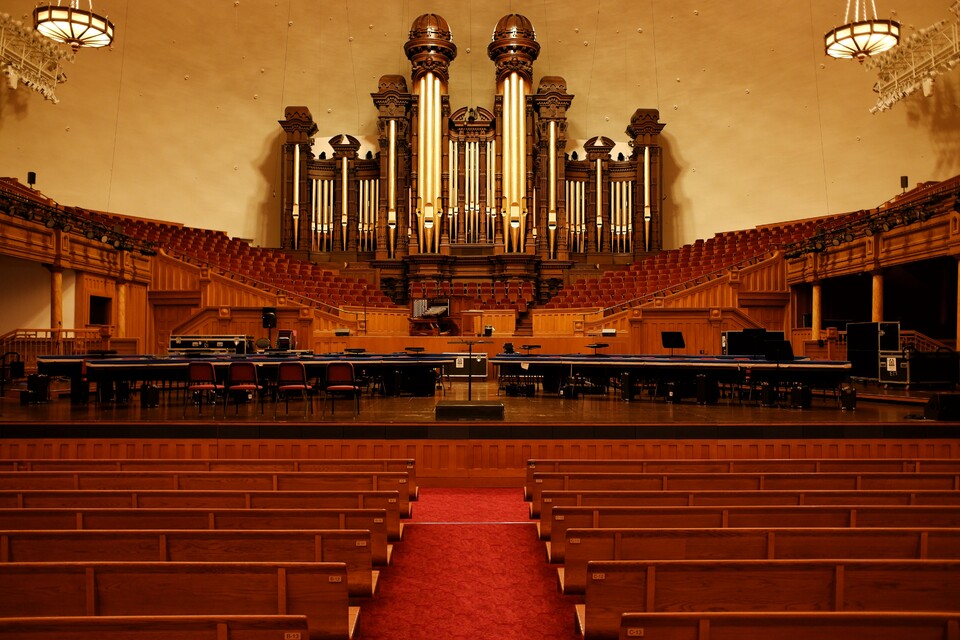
30 343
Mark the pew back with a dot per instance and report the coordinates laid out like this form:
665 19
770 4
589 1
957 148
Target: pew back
372 520
762 516
551 499
317 590
407 465
615 588
287 627
214 481
188 499
584 545
763 625
349 546
739 465
853 481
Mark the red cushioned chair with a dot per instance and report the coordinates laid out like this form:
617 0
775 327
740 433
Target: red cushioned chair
340 380
202 385
292 379
242 379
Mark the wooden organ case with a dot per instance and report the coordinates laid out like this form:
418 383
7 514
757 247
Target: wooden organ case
453 199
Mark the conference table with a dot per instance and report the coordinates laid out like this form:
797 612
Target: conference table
413 372
579 373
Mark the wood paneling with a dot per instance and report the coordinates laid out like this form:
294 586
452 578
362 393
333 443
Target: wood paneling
476 462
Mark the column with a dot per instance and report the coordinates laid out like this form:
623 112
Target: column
816 312
876 304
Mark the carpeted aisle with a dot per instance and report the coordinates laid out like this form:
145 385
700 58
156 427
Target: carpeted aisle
470 566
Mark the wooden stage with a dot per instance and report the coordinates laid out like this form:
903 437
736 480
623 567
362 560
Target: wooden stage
885 422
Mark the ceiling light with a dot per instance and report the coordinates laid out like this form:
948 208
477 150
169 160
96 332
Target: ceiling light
73 26
863 37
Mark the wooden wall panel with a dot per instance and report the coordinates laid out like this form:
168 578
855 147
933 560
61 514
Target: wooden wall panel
476 462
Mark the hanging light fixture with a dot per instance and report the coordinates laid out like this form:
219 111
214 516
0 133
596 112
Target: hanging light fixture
863 37
72 25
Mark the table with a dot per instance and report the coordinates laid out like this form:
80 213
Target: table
558 370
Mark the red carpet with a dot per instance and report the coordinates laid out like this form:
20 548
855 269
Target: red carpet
460 573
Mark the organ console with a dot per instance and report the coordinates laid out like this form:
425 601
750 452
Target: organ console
473 192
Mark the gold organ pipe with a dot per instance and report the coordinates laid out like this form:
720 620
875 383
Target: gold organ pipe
421 155
552 179
345 184
392 173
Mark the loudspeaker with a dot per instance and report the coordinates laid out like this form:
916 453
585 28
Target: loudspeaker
31 178
943 406
904 180
269 317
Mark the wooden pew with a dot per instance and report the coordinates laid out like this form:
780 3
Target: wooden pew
738 516
584 545
551 499
407 465
317 590
373 520
763 625
853 481
349 546
214 481
738 465
615 588
180 627
187 499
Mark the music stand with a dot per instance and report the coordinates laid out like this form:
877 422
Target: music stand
672 340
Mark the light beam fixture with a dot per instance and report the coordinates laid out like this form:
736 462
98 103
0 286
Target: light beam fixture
72 25
863 37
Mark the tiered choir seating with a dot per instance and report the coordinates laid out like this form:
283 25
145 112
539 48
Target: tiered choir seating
670 268
667 548
263 548
264 266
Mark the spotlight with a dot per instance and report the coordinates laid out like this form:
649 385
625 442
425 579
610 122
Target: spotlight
869 231
66 226
91 234
50 223
836 241
818 246
956 204
923 215
148 251
848 236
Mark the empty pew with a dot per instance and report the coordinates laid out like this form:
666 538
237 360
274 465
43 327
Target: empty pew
187 499
853 481
214 481
373 520
317 590
763 625
407 465
738 516
618 587
585 545
204 627
349 546
551 499
738 465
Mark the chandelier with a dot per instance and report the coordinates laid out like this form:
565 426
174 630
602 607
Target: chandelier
863 37
72 25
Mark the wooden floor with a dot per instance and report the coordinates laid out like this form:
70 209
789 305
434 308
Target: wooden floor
585 416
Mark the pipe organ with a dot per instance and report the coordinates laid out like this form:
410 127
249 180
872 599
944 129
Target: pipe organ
440 186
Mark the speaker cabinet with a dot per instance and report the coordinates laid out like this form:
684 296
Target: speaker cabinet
943 406
269 317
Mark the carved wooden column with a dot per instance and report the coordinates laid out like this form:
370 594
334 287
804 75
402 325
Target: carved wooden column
551 103
644 132
393 124
876 300
299 129
816 311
